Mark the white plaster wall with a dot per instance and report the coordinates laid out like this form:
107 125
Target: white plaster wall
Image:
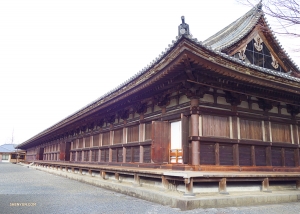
222 100
274 110
207 98
284 112
183 99
256 107
243 104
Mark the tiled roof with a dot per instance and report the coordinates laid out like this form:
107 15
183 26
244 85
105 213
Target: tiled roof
8 148
236 30
207 44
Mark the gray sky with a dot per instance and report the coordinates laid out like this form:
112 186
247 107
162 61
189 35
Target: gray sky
57 56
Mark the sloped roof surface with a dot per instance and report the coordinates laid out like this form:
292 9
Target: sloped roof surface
236 30
224 38
8 148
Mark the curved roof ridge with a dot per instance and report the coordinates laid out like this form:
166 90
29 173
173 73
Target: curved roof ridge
236 29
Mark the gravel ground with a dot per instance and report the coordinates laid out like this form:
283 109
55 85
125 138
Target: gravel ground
26 190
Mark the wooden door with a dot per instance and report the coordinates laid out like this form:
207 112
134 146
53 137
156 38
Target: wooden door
41 154
160 142
67 151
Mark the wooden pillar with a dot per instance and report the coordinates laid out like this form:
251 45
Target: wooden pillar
103 174
223 186
117 177
195 144
236 155
282 156
217 154
265 185
297 184
269 156
188 187
136 182
253 162
296 154
165 182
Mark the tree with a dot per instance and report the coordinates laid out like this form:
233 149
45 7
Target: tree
286 12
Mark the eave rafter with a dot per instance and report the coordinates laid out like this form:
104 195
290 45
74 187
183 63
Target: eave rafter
184 61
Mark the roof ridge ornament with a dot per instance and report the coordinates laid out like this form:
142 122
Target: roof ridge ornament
259 5
183 28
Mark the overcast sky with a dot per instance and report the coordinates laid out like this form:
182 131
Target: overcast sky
57 56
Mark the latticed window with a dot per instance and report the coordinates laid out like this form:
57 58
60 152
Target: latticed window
95 154
133 134
5 156
118 136
73 156
79 156
86 155
257 53
105 138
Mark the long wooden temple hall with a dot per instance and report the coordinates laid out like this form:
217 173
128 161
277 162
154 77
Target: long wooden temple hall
221 111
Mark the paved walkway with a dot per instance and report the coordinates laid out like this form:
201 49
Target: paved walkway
26 190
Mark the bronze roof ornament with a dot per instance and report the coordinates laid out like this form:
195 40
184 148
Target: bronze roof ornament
183 28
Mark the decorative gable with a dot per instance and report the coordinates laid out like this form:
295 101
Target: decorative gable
257 52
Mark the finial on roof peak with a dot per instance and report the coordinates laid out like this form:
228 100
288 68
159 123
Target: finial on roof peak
259 5
183 28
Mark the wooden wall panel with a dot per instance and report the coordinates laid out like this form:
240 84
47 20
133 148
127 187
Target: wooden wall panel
80 144
118 136
251 129
226 154
105 138
281 133
133 134
87 142
207 154
148 131
96 140
276 156
260 155
289 157
244 155
215 126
